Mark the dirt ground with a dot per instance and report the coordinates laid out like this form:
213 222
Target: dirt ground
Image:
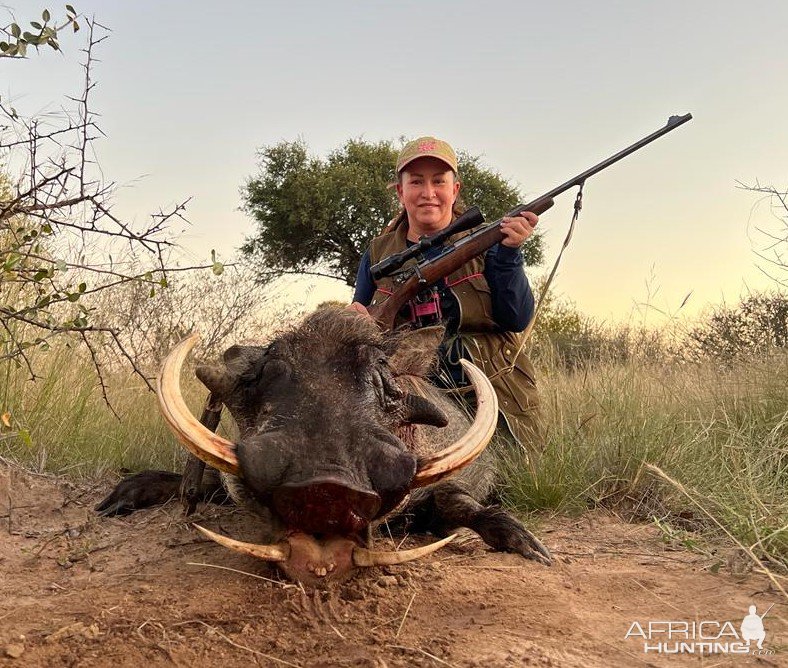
78 590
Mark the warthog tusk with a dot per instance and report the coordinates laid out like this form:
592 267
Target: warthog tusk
364 558
463 451
277 552
196 438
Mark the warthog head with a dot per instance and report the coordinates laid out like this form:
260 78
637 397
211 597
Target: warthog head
325 416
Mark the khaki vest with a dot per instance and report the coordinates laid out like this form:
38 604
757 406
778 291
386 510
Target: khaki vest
490 349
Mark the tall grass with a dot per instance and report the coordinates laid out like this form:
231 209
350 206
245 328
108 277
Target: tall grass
721 432
60 422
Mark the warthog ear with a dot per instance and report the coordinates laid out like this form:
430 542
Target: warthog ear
415 352
245 362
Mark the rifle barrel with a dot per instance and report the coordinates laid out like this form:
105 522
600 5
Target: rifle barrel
672 124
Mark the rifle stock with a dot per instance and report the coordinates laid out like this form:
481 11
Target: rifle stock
456 255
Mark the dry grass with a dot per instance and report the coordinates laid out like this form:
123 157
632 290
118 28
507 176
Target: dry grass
59 423
721 432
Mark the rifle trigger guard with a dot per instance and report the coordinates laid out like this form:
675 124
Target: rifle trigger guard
422 280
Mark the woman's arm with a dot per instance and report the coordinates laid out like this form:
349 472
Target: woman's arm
365 286
512 298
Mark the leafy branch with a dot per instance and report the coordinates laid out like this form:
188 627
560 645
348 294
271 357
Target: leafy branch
41 33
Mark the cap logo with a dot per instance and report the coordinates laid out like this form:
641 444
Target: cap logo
427 146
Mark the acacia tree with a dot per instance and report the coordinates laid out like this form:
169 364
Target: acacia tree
61 244
317 216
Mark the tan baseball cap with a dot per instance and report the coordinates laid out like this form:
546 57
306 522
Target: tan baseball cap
426 147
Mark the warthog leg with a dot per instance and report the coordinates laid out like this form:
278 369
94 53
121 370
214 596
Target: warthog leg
151 488
141 490
449 506
191 489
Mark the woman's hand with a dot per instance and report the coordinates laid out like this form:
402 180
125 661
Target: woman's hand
358 307
518 228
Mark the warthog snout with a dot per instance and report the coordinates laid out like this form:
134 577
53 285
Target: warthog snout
325 506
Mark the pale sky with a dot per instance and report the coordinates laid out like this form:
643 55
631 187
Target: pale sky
189 90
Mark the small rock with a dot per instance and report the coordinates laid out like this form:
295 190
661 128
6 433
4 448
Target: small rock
76 629
14 650
387 581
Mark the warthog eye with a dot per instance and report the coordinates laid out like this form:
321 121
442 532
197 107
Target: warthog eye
274 368
386 390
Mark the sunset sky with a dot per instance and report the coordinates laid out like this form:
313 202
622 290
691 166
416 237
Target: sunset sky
188 91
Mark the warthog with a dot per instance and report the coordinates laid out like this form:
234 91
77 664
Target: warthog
338 430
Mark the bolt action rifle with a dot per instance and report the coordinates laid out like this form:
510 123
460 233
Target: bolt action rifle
421 275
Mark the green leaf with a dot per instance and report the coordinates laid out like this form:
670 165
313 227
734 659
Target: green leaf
40 275
76 26
54 44
73 296
45 15
61 265
21 48
46 228
36 25
16 31
163 283
217 268
213 255
71 10
24 436
82 287
4 46
152 293
11 261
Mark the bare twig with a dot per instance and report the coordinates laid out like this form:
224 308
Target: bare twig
421 651
244 647
284 585
405 616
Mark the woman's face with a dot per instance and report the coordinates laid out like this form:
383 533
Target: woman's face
427 189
